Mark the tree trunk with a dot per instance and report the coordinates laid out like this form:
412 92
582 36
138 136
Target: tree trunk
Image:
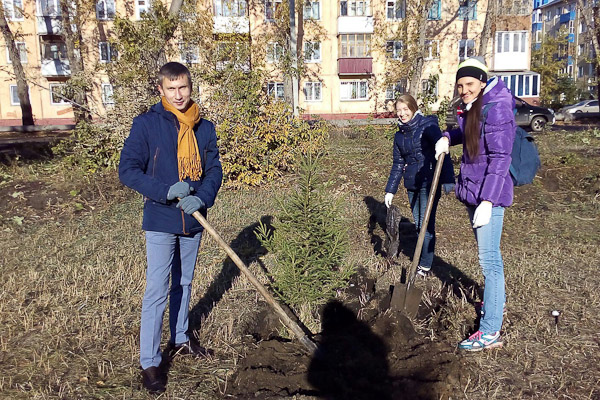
593 23
73 41
421 13
486 34
22 87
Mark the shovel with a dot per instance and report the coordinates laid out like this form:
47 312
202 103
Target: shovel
405 297
292 325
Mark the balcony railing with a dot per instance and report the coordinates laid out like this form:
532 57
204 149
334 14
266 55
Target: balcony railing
55 68
355 66
49 25
231 24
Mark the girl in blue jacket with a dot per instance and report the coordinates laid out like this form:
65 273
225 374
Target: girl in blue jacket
414 151
484 184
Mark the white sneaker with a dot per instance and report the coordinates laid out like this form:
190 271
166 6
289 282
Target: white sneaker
423 271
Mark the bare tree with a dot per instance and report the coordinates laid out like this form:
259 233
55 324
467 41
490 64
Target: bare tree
592 20
420 12
488 27
22 87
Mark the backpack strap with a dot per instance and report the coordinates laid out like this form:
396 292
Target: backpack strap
484 112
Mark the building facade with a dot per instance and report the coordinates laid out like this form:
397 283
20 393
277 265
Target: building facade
348 47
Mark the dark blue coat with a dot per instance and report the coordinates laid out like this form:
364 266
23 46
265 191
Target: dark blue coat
149 166
414 155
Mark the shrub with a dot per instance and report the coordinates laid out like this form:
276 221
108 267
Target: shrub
309 241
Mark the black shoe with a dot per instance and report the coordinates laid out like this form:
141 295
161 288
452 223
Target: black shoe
153 380
190 348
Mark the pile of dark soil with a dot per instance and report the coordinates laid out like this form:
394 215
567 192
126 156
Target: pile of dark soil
370 354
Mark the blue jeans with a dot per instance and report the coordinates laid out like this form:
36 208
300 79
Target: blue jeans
418 204
492 266
171 256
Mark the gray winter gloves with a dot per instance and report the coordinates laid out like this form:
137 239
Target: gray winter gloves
190 204
178 190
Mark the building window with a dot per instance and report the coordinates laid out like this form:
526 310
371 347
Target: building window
271 7
55 51
13 9
14 96
466 49
571 26
580 49
353 8
396 9
189 53
49 8
274 52
107 94
141 7
231 8
56 97
312 91
275 90
435 12
395 90
105 9
355 45
511 42
312 52
354 90
312 10
107 52
22 49
522 85
432 49
427 89
467 11
393 49
580 72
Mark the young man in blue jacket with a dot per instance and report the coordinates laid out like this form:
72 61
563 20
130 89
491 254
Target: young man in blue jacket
171 158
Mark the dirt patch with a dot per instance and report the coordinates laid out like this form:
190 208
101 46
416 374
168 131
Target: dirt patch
374 353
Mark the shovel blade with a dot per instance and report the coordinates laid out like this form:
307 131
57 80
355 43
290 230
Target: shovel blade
406 300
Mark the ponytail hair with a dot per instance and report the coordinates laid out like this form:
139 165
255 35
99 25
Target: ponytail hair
472 128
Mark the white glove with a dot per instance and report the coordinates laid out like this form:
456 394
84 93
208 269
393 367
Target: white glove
442 146
388 199
482 215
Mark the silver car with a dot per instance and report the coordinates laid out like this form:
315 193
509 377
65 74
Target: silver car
586 106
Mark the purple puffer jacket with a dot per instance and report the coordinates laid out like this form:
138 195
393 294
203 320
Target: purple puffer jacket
487 177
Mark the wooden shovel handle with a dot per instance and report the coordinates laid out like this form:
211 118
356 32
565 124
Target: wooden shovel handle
436 177
294 327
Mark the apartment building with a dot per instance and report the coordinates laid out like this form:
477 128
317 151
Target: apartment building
548 18
348 47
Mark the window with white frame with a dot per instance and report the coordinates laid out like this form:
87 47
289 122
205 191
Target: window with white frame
467 11
355 45
22 49
107 94
466 49
13 9
393 49
396 9
522 85
274 52
275 90
582 27
354 90
570 69
395 90
548 15
271 7
511 42
141 7
231 8
189 53
312 91
107 52
571 26
105 9
435 12
14 96
580 49
580 72
432 49
56 97
49 8
352 8
538 36
312 52
312 10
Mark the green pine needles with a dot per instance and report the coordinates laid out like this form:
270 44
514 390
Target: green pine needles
309 241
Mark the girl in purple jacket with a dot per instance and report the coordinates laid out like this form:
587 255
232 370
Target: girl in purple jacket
484 184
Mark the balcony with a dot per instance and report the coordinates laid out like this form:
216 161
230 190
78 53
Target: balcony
566 17
355 25
49 25
55 68
231 24
355 66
